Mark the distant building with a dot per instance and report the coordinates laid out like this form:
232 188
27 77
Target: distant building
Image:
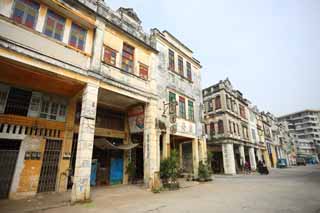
305 126
231 129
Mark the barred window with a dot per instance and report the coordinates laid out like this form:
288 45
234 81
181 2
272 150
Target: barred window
190 111
182 107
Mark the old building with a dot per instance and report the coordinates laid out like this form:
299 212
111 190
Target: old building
80 98
179 103
305 126
230 135
287 143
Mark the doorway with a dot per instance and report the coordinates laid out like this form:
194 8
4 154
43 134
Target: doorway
50 164
9 150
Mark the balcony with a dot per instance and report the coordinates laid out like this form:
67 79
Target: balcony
34 43
125 79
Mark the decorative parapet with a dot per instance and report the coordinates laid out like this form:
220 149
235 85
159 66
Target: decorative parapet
126 19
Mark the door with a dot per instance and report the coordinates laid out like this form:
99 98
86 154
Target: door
9 150
50 164
116 170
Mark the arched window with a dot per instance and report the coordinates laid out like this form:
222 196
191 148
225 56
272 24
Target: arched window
218 102
220 127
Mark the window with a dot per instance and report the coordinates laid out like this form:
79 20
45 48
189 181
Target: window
143 71
171 60
180 65
190 111
182 107
242 112
77 37
254 135
228 102
25 12
212 129
230 127
234 128
210 106
189 74
238 130
54 25
127 58
52 109
172 97
220 127
18 102
218 102
110 56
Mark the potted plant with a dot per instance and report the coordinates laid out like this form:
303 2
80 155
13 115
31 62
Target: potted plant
169 171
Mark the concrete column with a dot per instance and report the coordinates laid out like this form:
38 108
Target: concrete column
98 46
180 155
203 150
252 157
229 164
150 146
266 158
195 157
81 184
259 154
166 144
242 156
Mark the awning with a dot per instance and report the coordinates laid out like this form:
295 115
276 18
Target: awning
103 143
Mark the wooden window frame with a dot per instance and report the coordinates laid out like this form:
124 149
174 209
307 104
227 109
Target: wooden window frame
171 58
180 65
112 51
182 107
141 75
79 29
56 21
189 71
24 18
123 56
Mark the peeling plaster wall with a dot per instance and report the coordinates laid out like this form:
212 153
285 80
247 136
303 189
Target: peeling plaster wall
168 81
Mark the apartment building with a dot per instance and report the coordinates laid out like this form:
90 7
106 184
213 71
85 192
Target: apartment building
231 135
305 126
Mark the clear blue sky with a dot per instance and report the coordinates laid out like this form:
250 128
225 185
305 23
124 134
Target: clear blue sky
270 50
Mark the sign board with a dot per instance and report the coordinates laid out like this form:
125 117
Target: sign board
136 119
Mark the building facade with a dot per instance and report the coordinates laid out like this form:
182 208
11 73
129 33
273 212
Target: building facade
79 98
305 126
179 101
230 129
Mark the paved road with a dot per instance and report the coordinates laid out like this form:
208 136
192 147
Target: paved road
286 191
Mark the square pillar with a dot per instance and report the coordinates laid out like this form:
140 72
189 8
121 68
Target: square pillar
242 155
81 182
252 159
151 145
166 144
259 154
195 157
266 158
228 159
98 45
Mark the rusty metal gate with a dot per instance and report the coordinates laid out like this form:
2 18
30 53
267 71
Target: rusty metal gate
9 150
50 165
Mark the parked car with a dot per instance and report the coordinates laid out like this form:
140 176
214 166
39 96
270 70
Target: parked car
301 161
282 163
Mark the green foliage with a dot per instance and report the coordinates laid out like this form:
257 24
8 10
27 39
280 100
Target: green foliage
169 168
203 171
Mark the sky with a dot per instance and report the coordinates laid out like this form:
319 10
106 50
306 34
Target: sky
269 49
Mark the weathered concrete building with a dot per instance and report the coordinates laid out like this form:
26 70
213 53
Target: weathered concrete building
79 98
179 90
305 126
227 127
